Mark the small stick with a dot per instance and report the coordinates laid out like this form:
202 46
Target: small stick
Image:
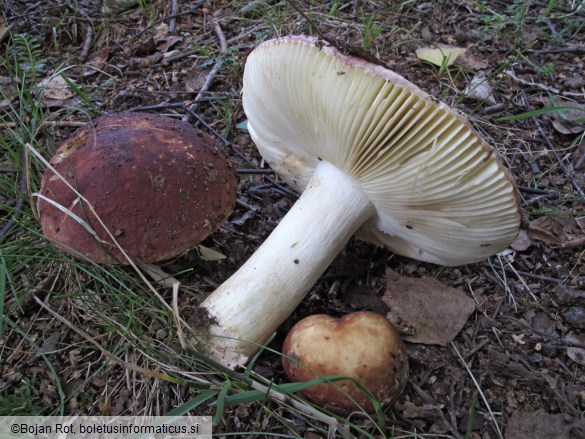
478 347
174 12
211 75
534 190
538 198
537 276
255 171
568 49
86 44
49 123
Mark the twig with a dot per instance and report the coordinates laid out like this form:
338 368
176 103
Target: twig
49 123
174 12
542 194
534 190
569 49
86 44
512 75
478 347
254 171
539 198
537 276
211 75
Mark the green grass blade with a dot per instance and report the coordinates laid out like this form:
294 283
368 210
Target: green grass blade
541 111
184 408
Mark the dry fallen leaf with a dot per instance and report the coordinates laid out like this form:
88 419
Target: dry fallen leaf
442 55
433 311
522 242
569 118
96 62
470 61
209 254
164 44
575 353
56 88
479 88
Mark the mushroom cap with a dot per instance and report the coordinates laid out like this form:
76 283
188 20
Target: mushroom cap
159 185
441 194
362 345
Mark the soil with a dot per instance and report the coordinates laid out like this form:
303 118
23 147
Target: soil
519 359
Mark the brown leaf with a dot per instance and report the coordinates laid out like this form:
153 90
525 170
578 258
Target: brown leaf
433 311
542 229
575 353
522 242
96 62
470 61
56 88
164 44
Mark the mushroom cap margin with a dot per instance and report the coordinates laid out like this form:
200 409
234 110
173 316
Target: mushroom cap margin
440 192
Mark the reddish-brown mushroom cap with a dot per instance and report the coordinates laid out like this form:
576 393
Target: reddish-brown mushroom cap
362 345
159 185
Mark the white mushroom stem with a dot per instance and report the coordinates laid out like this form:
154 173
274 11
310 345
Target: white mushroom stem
248 307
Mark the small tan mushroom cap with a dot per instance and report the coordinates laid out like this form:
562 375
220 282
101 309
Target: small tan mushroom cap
362 345
159 185
440 192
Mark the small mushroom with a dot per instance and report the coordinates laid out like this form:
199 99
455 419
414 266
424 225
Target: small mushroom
373 155
363 346
159 185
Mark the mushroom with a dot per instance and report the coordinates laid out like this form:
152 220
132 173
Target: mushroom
159 185
320 346
374 156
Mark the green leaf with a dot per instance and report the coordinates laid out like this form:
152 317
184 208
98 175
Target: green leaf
191 404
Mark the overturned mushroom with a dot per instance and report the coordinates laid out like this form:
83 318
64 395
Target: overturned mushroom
374 155
159 185
363 346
